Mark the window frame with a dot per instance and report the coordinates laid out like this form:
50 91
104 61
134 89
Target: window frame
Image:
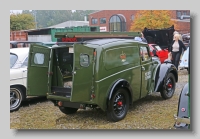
104 19
142 55
94 21
177 14
16 58
132 17
81 63
37 63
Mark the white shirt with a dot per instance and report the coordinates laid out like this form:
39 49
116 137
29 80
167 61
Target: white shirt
175 46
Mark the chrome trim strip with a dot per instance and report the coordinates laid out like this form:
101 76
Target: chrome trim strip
17 78
117 73
181 120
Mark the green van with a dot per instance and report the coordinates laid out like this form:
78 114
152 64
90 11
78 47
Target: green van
108 73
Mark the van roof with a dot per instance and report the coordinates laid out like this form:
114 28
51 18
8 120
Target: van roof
107 41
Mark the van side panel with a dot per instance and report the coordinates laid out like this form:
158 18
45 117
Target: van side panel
122 62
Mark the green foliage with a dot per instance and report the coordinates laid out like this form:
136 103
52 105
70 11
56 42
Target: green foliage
152 19
21 22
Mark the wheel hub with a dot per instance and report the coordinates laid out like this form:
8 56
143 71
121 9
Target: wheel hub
119 103
169 85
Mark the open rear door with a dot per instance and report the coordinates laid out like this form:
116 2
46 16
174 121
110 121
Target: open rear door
83 73
37 77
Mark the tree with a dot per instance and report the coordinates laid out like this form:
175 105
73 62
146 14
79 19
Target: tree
46 18
152 19
21 22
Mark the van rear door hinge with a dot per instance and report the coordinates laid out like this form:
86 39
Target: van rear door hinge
50 73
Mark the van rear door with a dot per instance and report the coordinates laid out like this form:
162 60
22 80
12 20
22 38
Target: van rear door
38 67
83 73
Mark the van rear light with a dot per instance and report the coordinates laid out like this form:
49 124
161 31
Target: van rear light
93 96
60 103
94 53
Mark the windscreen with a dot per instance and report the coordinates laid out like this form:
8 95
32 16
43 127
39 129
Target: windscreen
13 59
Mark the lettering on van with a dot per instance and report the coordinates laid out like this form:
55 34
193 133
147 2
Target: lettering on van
147 75
123 57
74 39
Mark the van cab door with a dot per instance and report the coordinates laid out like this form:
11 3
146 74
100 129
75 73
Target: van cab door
82 73
146 70
37 76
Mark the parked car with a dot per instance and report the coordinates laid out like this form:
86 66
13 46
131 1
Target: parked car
184 60
186 37
18 75
182 118
19 44
159 41
162 54
107 73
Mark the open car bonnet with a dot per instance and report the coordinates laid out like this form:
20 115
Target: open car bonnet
162 37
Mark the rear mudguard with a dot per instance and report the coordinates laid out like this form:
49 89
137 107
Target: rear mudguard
182 108
161 75
120 83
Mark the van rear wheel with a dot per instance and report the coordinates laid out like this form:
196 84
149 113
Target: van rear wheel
68 110
118 105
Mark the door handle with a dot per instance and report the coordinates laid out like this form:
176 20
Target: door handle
74 72
143 68
24 70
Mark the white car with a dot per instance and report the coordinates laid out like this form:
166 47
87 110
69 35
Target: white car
184 60
18 75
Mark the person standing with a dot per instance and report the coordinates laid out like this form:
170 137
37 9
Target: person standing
180 36
176 49
143 38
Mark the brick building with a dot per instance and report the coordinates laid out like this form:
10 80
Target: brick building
120 20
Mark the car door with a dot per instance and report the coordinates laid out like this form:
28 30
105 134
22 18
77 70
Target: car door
83 73
146 65
38 68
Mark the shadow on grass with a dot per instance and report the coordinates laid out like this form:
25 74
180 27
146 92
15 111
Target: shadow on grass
99 116
33 101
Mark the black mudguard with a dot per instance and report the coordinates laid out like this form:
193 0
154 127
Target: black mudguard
183 108
120 83
161 74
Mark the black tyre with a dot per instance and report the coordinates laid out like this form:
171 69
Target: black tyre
118 105
67 110
168 87
16 97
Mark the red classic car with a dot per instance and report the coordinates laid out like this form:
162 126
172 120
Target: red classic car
159 41
162 54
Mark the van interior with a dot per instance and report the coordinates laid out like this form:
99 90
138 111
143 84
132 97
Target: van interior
62 71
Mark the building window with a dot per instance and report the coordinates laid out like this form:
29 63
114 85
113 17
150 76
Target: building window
132 17
94 21
178 14
185 13
117 23
102 20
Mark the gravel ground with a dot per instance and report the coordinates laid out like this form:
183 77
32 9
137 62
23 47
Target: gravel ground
151 112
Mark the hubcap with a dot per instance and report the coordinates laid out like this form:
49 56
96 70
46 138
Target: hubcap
119 104
14 98
169 87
